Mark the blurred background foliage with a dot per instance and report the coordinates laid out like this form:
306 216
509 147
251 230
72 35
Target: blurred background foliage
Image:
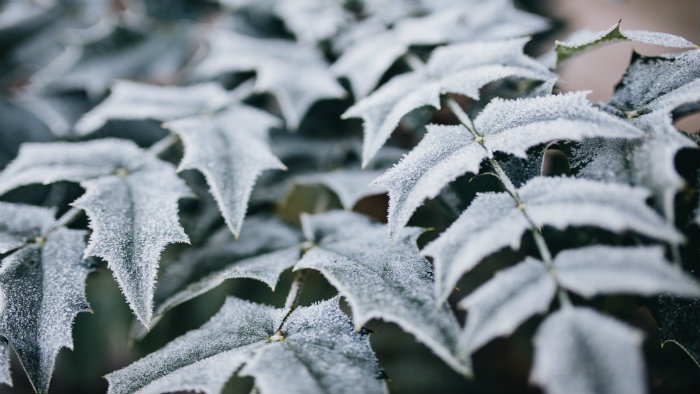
156 41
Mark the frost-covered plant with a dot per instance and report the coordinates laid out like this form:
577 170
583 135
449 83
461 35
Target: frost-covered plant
111 105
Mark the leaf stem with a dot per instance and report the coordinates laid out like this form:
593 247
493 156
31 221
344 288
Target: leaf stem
64 220
541 243
292 299
162 145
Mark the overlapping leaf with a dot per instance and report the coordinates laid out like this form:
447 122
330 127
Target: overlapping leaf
493 221
131 199
508 126
297 75
374 50
349 185
42 287
265 249
392 284
585 41
578 350
461 69
319 353
231 150
132 100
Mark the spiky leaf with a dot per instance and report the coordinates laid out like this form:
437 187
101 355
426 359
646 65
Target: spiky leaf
508 126
461 69
130 198
379 281
132 100
265 249
640 270
231 150
42 287
320 353
578 350
585 41
297 75
499 306
493 221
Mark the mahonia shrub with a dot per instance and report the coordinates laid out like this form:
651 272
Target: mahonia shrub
231 155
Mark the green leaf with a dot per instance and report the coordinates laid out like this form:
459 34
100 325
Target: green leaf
130 198
297 75
578 350
586 40
508 126
42 287
493 221
503 303
231 149
132 100
639 270
461 69
393 284
319 352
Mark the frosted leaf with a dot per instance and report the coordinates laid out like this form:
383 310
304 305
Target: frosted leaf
231 149
312 21
493 221
597 270
585 41
264 250
42 288
19 224
124 53
502 304
658 83
319 345
296 74
370 55
393 284
648 161
578 350
508 126
349 185
130 198
132 100
5 377
460 68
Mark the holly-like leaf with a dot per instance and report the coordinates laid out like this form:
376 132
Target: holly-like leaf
42 287
585 41
130 198
393 284
640 270
124 53
493 221
317 352
349 185
503 303
371 54
648 161
265 249
132 100
231 150
578 350
461 69
508 126
297 75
